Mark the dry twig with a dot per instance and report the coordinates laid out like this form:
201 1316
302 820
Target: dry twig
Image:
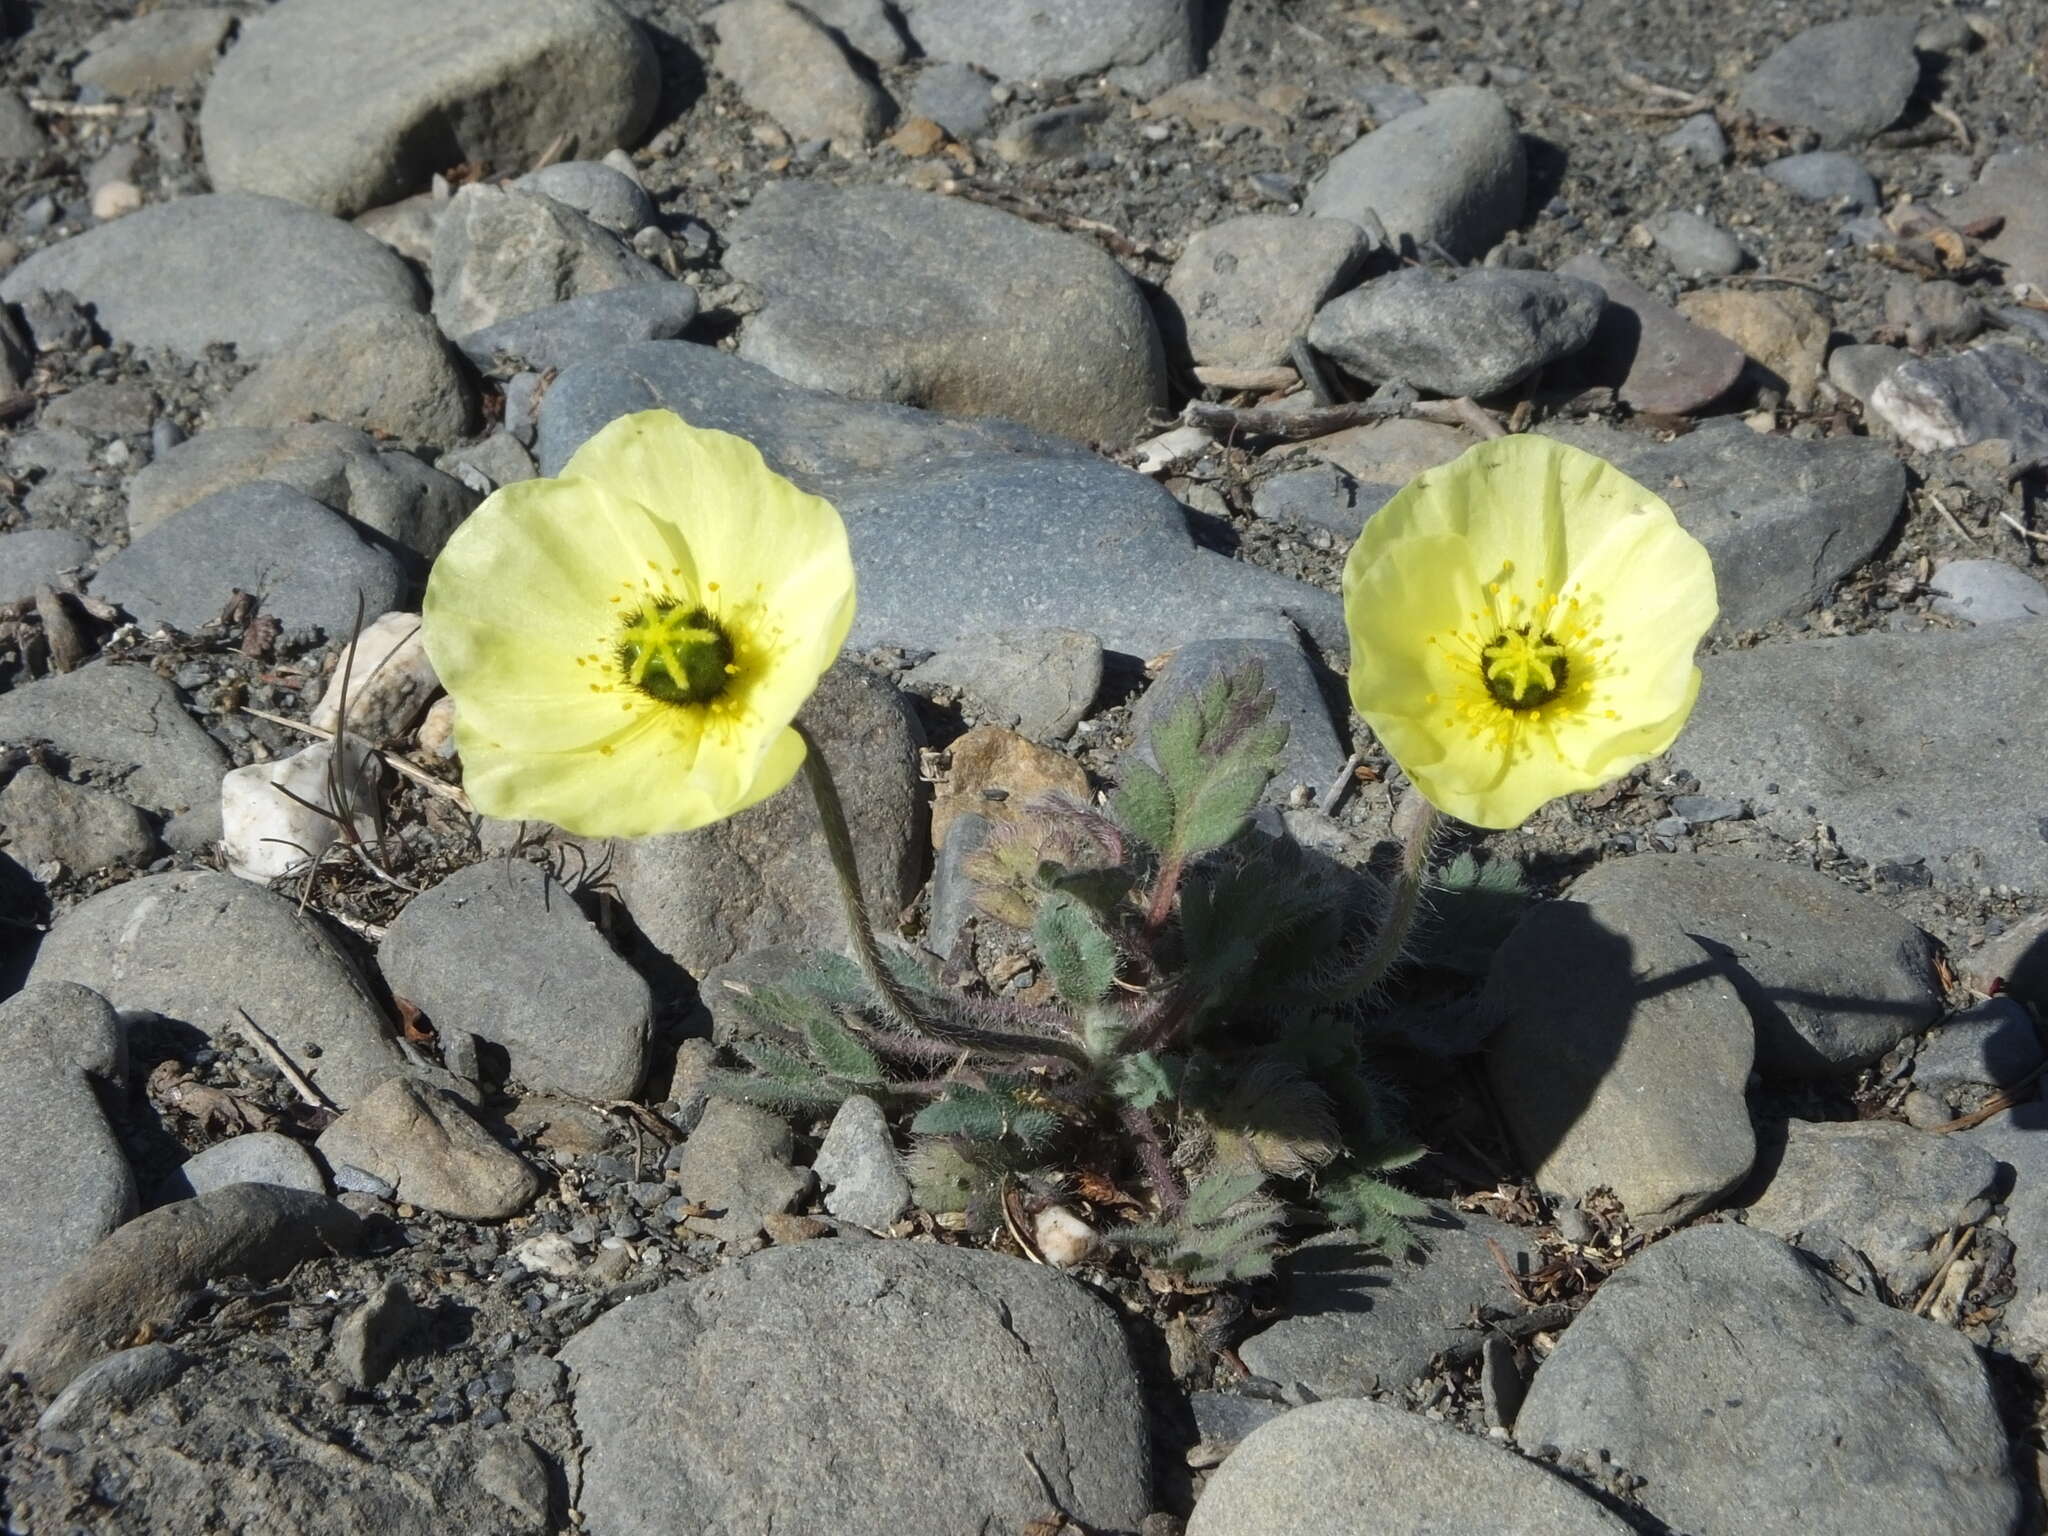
283 1063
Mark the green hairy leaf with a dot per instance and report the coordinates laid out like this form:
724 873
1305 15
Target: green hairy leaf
986 1114
1144 803
1216 754
1227 1230
1078 955
1142 1081
768 1093
835 1048
1376 1212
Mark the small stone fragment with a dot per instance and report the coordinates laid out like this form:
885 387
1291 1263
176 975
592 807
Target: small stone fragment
423 1143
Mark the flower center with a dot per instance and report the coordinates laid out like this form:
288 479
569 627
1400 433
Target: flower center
1524 668
675 654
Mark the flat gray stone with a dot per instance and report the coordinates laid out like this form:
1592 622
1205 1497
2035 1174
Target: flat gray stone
1825 176
736 1164
1987 592
958 528
1739 1383
381 369
255 1157
1619 1061
130 722
590 325
1984 1049
1939 404
1947 769
1695 246
1345 1468
121 1382
1313 756
835 1342
21 136
867 26
400 503
203 948
35 558
1832 978
1038 682
1320 495
502 951
786 64
1933 313
1784 520
1143 46
1359 1321
884 293
858 1168
81 827
143 1273
1478 333
369 1341
1245 289
1700 140
956 97
1885 1190
1858 370
1047 135
761 878
64 1183
163 50
346 104
305 564
425 1145
500 253
1453 173
250 272
602 193
1654 358
2013 187
1848 80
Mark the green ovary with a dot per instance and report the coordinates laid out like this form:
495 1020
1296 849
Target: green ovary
1523 670
675 654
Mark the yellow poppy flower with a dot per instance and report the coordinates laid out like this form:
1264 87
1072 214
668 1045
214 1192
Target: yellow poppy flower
1522 627
628 645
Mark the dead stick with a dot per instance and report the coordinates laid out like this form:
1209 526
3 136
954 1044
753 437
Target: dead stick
283 1063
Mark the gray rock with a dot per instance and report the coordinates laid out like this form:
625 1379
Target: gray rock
382 369
2014 962
952 893
519 1478
163 50
1883 1189
1313 755
1696 246
1453 173
1477 334
867 26
1935 313
34 557
310 104
1360 1322
64 1183
399 502
588 326
1833 979
761 878
1386 100
1987 1047
155 944
488 463
1940 404
2013 188
1620 1061
603 195
1700 140
1946 770
499 253
1739 1383
120 1383
255 1157
21 136
1847 80
251 272
1320 1469
786 64
54 321
16 355
143 1273
103 409
1225 1417
736 1163
132 722
1825 176
501 950
884 293
422 1142
1038 682
305 564
1784 520
1143 46
955 96
372 1338
407 226
959 528
857 1167
836 1342
1987 592
1245 289
1858 370
1654 358
82 828
1320 496
2018 1138
1052 133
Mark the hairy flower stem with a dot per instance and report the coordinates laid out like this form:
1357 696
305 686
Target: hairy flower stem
1152 1153
1160 907
1392 939
921 1022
